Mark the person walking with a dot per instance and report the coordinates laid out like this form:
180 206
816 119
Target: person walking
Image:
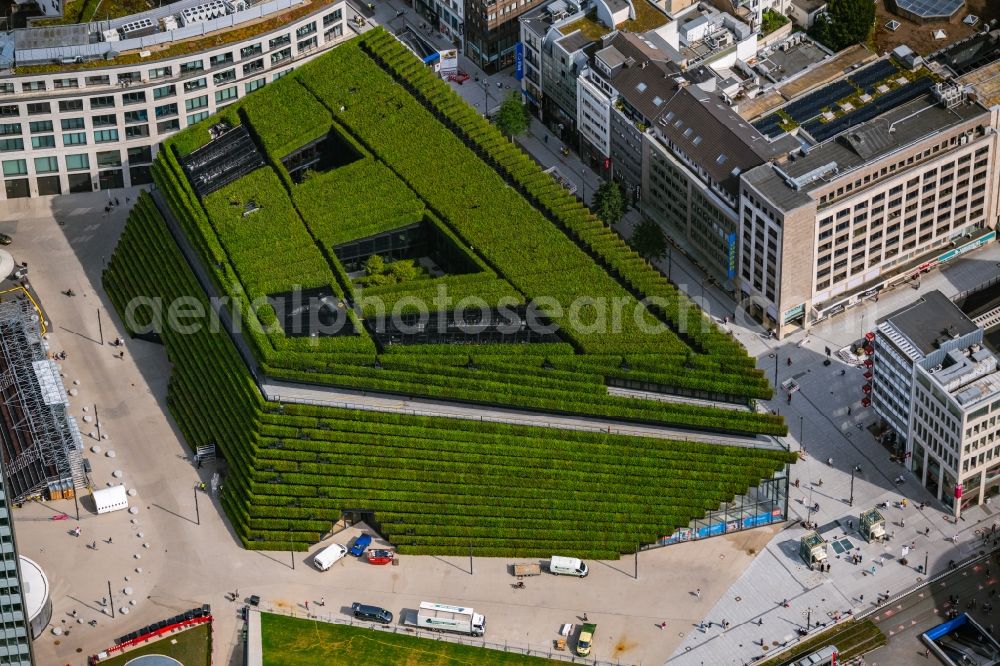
307 606
697 593
322 601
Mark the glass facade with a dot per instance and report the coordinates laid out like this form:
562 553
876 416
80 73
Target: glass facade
762 505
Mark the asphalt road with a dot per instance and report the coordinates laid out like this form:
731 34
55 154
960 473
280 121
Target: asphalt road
904 620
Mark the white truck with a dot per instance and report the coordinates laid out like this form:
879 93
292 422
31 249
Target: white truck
443 617
568 566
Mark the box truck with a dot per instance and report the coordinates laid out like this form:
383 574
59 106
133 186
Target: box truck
443 617
568 566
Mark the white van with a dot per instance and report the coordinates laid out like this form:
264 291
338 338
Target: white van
568 566
329 556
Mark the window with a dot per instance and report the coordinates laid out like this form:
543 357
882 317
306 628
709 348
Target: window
6 88
104 136
160 72
226 94
46 141
196 84
280 74
8 111
221 59
278 42
196 103
333 17
127 78
334 32
10 128
104 80
140 154
250 86
254 66
46 165
33 86
164 91
166 111
77 162
75 139
305 30
39 108
136 131
310 44
104 121
39 126
102 102
193 66
134 97
168 126
276 57
132 117
15 167
197 117
224 77
71 124
7 145
250 51
66 83
109 158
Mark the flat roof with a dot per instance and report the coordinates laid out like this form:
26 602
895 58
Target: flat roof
860 145
927 319
36 587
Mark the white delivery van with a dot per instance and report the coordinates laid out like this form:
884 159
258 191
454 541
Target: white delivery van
329 556
568 566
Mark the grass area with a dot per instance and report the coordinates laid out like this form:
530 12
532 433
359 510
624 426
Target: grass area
192 647
772 21
84 11
852 640
290 641
588 25
274 22
647 17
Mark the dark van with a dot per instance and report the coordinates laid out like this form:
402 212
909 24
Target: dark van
373 613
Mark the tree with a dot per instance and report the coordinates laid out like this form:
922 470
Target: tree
512 118
648 239
374 265
608 202
402 270
844 23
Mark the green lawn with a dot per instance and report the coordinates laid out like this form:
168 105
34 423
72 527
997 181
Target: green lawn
192 648
292 642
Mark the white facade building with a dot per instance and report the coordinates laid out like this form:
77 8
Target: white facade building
84 128
937 386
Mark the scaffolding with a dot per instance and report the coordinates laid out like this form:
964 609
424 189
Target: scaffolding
41 443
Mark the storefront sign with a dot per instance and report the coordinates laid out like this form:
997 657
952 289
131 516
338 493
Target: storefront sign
951 254
795 312
519 61
731 255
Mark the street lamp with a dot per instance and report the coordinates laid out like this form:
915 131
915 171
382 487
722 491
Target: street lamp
583 181
670 261
856 470
809 613
801 436
774 355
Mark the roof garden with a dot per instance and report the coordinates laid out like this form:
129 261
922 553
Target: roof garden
387 208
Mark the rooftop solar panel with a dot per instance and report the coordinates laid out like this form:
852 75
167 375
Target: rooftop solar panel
930 8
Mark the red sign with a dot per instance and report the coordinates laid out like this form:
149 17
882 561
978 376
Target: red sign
833 659
958 491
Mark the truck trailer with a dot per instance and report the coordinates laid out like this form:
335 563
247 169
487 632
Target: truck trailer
443 617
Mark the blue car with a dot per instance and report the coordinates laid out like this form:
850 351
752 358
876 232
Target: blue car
361 545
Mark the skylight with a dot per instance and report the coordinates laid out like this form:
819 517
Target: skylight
697 140
641 86
657 101
721 159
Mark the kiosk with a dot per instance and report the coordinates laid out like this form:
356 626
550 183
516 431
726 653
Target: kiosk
812 549
871 524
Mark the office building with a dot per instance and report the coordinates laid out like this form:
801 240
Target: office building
937 385
908 185
78 115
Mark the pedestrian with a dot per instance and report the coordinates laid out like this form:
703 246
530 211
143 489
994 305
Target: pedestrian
762 642
927 531
862 598
848 410
307 605
116 201
881 561
697 593
760 622
104 601
93 545
322 601
121 355
585 618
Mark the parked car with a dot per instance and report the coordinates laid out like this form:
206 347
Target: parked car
361 545
5 239
380 556
373 613
329 556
